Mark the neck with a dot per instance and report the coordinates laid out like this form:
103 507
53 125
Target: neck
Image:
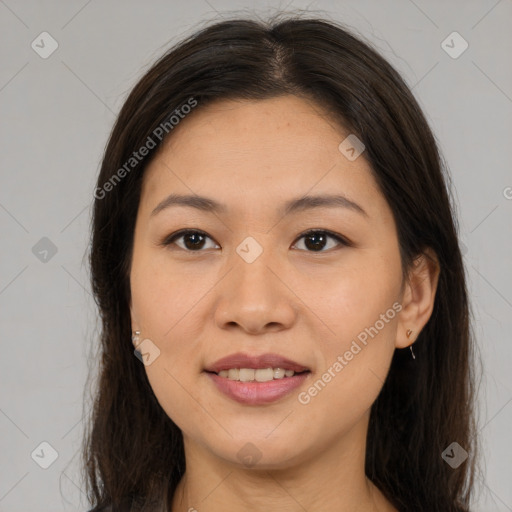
330 480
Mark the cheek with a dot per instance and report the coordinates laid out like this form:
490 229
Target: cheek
164 297
361 310
355 296
166 303
353 363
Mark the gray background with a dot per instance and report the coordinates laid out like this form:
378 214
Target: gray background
56 116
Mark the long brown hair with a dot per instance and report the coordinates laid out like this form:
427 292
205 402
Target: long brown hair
133 452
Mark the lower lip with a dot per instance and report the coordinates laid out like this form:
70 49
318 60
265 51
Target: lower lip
256 393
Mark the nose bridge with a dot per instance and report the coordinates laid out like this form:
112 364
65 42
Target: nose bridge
252 262
252 295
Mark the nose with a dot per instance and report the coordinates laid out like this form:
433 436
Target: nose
255 297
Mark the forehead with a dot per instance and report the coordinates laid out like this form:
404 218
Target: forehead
263 149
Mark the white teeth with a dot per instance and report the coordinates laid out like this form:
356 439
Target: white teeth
279 373
264 375
246 374
259 375
233 374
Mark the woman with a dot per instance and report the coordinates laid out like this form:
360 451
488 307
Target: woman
283 299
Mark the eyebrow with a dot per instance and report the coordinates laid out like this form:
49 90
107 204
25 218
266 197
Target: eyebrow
292 206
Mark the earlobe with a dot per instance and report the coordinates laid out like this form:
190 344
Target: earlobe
135 338
135 331
135 327
418 298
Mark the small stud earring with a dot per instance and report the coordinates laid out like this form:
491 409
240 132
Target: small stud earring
408 334
135 338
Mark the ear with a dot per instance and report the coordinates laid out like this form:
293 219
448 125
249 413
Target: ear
418 297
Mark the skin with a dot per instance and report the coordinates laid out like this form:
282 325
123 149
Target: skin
307 305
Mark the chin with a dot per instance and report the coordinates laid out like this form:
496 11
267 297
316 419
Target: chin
255 453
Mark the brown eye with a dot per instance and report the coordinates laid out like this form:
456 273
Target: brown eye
317 240
193 240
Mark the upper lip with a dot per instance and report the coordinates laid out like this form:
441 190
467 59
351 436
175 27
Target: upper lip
241 360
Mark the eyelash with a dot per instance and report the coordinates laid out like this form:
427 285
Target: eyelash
167 241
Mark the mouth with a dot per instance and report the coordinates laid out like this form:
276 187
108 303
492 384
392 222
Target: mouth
256 380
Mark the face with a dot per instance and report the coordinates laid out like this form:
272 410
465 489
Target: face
248 280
